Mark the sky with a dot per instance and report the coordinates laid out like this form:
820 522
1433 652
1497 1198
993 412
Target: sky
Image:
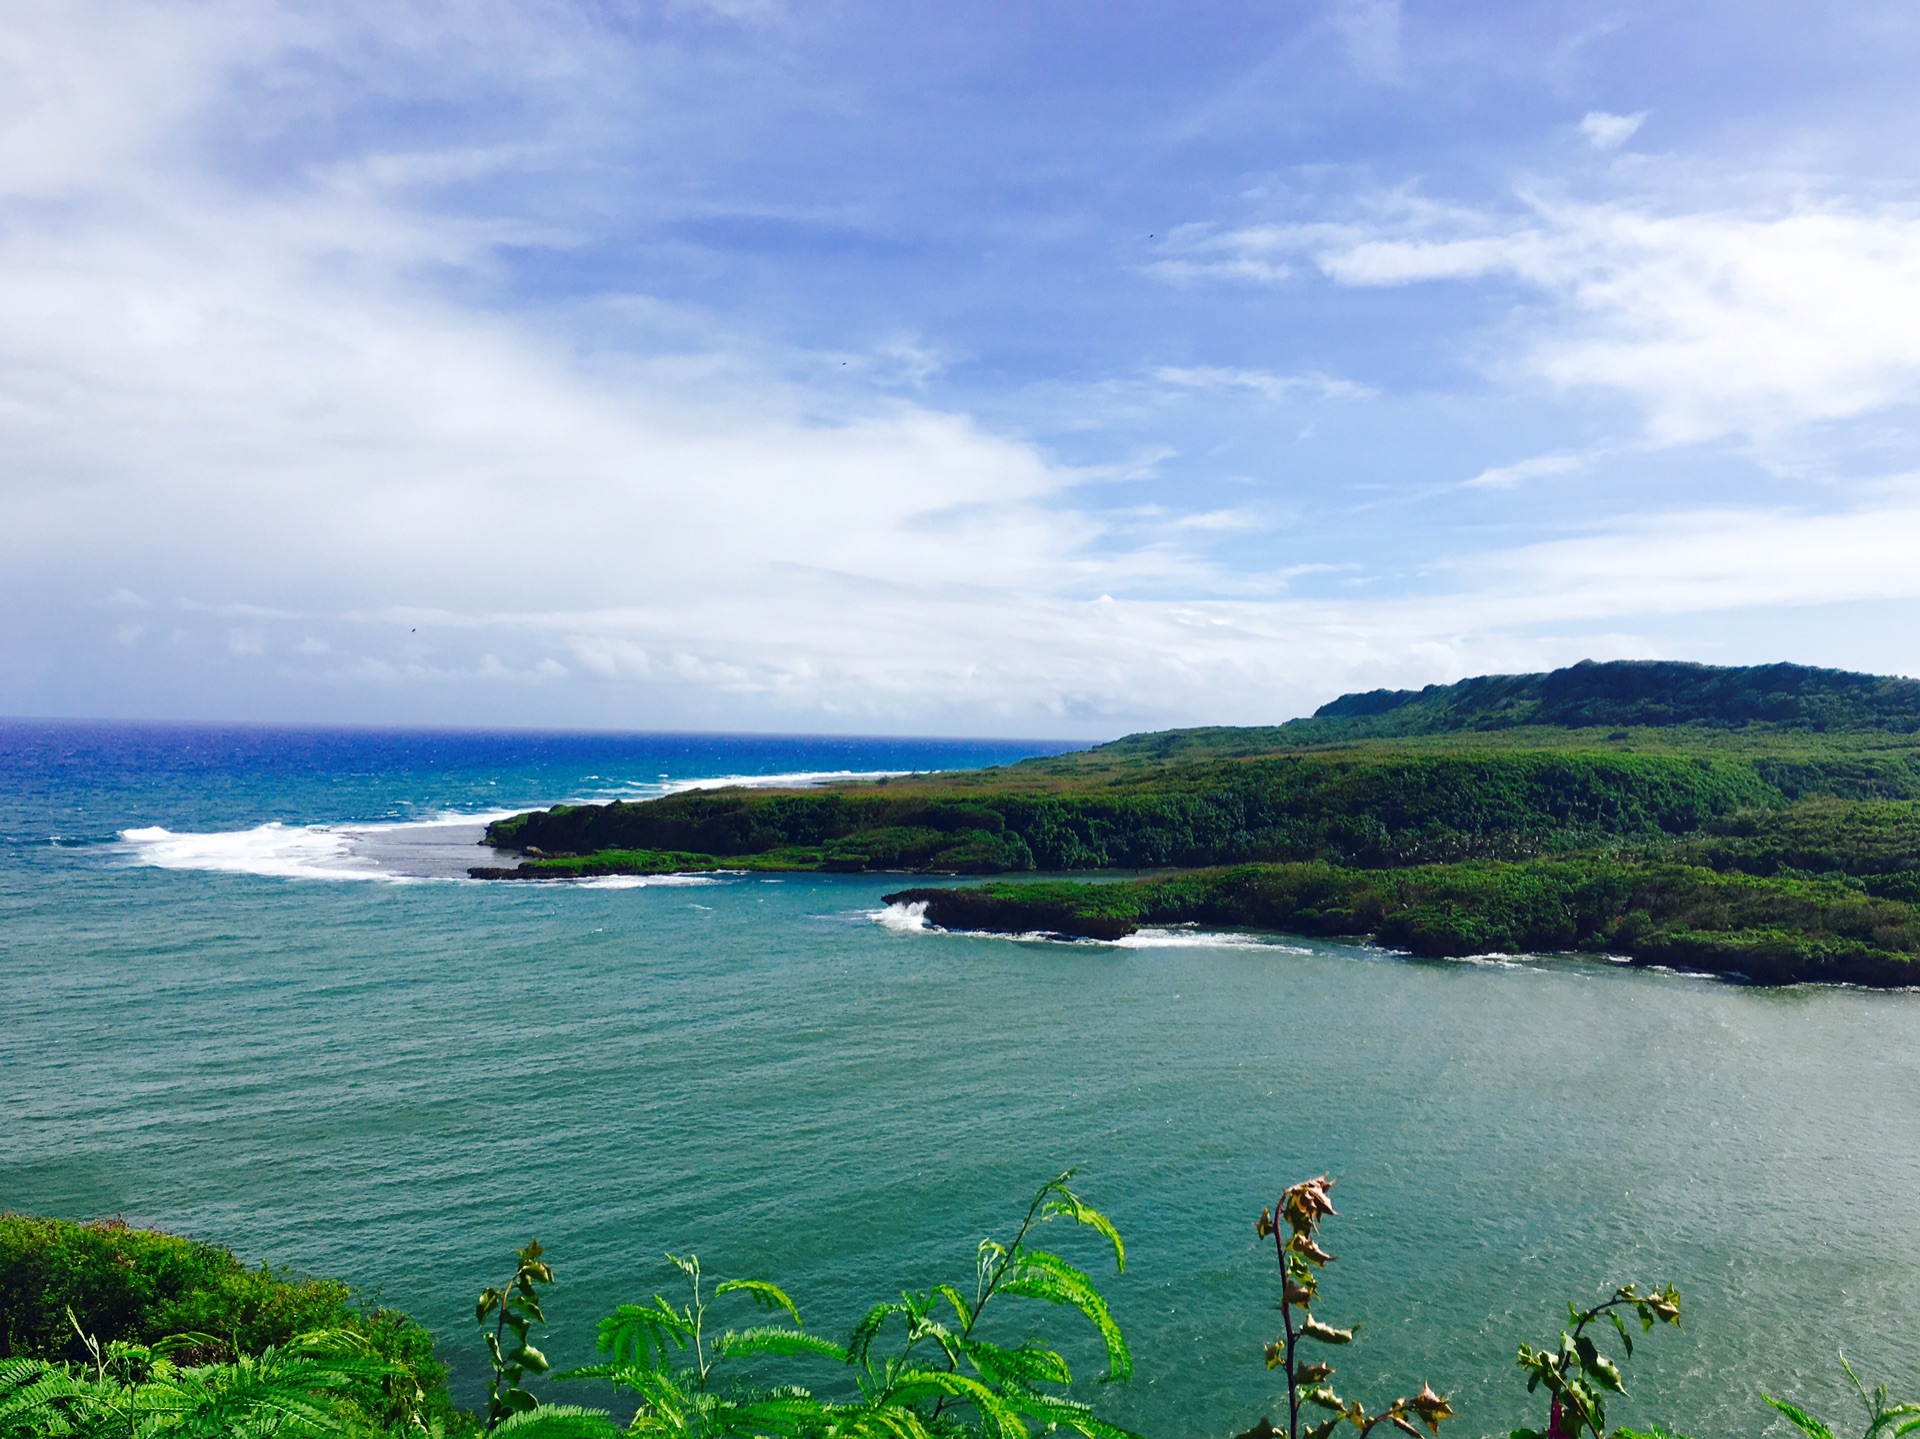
1030 369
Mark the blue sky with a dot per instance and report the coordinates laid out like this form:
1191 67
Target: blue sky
1023 369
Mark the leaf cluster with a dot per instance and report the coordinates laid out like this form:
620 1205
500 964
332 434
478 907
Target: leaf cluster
1577 1375
323 1385
917 1367
513 1310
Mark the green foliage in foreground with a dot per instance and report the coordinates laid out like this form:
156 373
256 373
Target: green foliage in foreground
927 1365
1885 1418
317 1386
915 1367
66 1286
1777 930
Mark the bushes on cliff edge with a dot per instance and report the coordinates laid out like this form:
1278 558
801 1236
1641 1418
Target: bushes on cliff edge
140 1286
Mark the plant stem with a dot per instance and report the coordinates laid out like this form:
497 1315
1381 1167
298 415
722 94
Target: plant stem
983 1288
1286 1315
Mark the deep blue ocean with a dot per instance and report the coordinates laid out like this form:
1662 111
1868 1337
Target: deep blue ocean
246 996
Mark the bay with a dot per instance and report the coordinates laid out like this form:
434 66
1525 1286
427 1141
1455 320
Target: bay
397 1081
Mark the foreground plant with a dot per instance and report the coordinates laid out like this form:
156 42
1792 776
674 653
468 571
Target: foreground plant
513 1311
1885 1419
1293 1224
1578 1377
317 1386
915 1367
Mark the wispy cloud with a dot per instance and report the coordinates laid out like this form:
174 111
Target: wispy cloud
1610 132
1715 323
435 361
1505 477
1277 388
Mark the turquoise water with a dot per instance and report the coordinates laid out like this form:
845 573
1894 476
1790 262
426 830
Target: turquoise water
398 1082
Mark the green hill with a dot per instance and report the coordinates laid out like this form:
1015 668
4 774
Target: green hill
1781 775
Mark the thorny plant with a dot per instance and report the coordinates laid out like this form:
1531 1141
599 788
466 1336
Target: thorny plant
1577 1376
1293 1225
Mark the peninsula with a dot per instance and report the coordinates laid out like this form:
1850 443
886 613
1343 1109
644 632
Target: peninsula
1759 821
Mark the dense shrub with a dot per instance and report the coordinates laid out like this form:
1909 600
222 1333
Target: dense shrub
139 1286
1769 929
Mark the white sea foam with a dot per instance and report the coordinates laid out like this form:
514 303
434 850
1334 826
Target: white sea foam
901 918
638 881
798 779
277 850
439 846
912 919
1202 939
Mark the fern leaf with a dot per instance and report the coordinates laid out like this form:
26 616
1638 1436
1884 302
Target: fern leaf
860 1343
1060 1412
1799 1418
1041 1275
767 1296
1027 1365
1068 1205
644 1333
560 1421
772 1339
994 1411
959 1302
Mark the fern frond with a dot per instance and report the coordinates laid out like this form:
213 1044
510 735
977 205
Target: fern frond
766 1295
559 1421
959 1302
1040 1275
1799 1418
1026 1365
1068 1205
786 1415
995 1412
644 1333
1060 1412
860 1342
773 1339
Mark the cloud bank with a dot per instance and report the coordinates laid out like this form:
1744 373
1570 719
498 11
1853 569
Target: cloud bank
335 384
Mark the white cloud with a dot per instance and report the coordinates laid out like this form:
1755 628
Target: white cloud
1610 132
1715 323
1505 477
263 419
1277 388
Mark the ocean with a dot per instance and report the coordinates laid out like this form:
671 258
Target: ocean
247 996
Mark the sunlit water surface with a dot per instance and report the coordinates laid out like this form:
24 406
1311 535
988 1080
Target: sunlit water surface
398 1082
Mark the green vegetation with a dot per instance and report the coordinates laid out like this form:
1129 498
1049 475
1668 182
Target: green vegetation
1764 821
959 1361
67 1288
913 1368
320 1384
1776 931
1885 1418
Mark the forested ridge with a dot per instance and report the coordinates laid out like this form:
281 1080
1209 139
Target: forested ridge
1666 781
